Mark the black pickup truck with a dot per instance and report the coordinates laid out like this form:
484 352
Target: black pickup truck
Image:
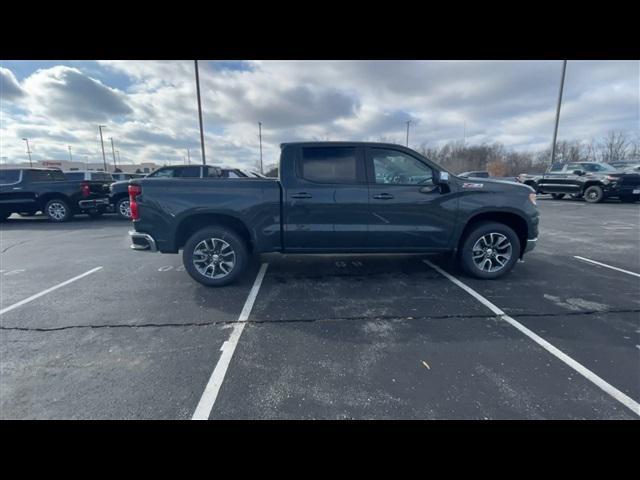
30 190
335 197
594 181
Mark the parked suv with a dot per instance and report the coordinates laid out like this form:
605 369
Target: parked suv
335 197
29 190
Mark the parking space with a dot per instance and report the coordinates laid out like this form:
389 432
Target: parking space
345 336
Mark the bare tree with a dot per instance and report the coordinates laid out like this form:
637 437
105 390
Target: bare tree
614 147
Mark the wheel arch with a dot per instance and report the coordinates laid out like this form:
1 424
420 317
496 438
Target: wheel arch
516 222
191 224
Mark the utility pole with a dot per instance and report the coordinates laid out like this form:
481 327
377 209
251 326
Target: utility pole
70 156
188 157
260 136
104 158
204 161
118 152
28 151
408 122
113 150
555 130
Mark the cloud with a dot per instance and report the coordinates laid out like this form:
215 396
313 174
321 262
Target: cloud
66 94
9 87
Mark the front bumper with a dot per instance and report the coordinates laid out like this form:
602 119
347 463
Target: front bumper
93 203
142 241
531 244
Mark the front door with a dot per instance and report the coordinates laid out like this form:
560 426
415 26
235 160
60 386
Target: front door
407 209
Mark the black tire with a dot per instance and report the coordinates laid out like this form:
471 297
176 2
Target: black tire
4 216
629 198
58 210
224 235
486 229
593 194
557 196
122 207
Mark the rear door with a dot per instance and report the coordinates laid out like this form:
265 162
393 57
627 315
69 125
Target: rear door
13 196
326 199
408 211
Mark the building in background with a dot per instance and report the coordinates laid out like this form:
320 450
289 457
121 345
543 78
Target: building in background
66 165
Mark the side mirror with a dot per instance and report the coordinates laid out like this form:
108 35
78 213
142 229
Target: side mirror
442 178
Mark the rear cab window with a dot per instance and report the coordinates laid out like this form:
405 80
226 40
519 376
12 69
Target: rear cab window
330 165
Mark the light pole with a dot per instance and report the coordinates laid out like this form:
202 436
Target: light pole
28 151
113 150
118 152
260 136
104 158
408 122
188 157
70 156
204 161
555 130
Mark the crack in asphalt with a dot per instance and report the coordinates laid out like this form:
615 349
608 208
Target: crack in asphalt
14 245
313 320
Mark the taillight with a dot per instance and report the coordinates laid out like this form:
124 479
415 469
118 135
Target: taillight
86 190
134 191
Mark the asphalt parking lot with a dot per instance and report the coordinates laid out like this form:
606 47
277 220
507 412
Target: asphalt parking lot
93 330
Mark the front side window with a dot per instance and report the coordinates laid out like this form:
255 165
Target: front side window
163 173
329 164
397 168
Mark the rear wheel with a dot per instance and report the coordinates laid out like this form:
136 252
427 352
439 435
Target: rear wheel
58 210
594 194
215 256
123 208
490 250
557 196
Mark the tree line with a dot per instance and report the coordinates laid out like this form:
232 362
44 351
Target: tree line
501 161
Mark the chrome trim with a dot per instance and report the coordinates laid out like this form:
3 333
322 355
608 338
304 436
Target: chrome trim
151 243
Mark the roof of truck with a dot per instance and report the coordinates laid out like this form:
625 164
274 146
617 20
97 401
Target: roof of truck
342 143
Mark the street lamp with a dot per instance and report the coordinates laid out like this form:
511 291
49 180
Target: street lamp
28 151
114 154
70 156
555 130
408 122
204 161
260 136
104 158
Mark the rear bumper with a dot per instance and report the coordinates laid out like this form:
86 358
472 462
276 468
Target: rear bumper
93 203
531 244
142 241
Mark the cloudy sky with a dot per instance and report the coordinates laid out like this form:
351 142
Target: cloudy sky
150 109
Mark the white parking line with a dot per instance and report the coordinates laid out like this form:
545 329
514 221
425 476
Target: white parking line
607 266
208 399
581 369
48 290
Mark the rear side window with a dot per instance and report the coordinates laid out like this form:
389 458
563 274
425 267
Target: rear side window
9 176
188 172
329 164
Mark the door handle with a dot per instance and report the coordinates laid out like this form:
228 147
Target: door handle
301 195
383 196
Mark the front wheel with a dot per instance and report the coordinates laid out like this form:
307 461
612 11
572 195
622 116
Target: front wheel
594 194
557 196
57 210
215 256
490 250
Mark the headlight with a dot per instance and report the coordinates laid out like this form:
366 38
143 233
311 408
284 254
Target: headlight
532 198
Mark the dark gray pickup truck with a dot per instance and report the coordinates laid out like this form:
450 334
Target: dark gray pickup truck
340 197
593 181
